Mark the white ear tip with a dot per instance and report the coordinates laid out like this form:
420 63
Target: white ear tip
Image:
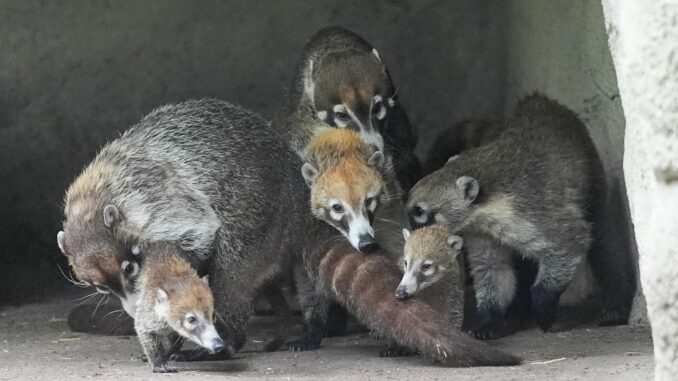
376 54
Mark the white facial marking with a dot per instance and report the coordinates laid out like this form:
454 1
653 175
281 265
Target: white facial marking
391 102
208 336
322 115
334 214
136 250
409 281
340 109
129 304
359 226
309 85
377 102
429 270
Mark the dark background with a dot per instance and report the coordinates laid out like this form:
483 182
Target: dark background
73 75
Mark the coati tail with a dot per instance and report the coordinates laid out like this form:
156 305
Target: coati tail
365 284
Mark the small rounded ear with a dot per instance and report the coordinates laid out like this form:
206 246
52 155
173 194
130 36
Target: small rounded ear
309 172
376 160
111 215
60 241
469 187
376 54
406 234
455 242
452 158
161 296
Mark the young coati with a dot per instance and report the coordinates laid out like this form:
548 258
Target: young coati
533 189
349 180
434 271
173 301
341 81
184 164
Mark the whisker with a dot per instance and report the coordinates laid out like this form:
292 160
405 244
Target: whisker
99 304
80 284
112 312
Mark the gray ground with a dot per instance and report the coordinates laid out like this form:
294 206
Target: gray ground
35 343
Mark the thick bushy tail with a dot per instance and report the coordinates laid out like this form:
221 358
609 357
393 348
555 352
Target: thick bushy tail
365 284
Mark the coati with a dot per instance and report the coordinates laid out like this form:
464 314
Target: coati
342 82
535 189
185 163
349 181
173 301
434 271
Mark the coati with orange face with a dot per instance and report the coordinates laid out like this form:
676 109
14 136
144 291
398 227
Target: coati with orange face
172 300
345 177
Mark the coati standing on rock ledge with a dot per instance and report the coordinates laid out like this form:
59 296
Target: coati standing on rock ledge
172 300
199 154
539 189
341 82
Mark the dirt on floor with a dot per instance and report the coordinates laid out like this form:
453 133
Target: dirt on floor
36 344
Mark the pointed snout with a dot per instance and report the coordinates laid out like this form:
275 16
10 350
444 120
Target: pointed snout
216 345
401 292
211 340
367 244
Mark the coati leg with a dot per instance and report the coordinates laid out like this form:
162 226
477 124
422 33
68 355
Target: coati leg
556 270
337 319
315 307
155 351
494 281
275 297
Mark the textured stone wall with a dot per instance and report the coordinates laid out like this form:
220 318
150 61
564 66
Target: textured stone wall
644 43
74 74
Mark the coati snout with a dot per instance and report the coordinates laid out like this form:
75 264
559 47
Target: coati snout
342 172
99 254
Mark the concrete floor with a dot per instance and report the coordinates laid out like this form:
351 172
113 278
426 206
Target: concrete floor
36 343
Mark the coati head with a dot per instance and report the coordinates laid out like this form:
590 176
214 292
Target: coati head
442 197
182 299
343 173
351 89
430 253
100 251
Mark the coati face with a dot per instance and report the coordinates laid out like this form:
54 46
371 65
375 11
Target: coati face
435 199
100 256
430 253
347 195
351 89
188 308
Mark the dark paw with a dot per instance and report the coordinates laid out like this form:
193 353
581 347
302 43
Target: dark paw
611 317
395 350
164 368
544 305
492 324
273 345
301 345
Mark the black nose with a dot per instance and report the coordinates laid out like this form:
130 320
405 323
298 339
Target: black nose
401 293
217 344
367 244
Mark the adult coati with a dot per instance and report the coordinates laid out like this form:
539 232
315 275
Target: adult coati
342 82
218 178
538 189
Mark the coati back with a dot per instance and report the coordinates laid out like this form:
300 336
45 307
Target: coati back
349 181
531 190
341 81
172 300
434 271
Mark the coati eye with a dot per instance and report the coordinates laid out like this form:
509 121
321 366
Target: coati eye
371 203
342 116
377 109
426 266
130 269
418 211
191 319
337 208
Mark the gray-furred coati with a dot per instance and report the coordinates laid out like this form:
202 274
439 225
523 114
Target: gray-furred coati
434 271
341 81
174 303
216 177
538 189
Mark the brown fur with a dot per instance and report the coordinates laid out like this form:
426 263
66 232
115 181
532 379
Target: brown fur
365 284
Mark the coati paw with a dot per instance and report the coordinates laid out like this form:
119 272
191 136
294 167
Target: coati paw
273 345
303 344
544 305
396 350
164 368
613 316
493 325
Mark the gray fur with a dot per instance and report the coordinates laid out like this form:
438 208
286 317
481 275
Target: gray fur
536 182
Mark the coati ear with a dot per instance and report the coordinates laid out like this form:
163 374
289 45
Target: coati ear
161 296
60 241
309 172
406 234
376 54
452 158
111 215
469 187
455 242
376 160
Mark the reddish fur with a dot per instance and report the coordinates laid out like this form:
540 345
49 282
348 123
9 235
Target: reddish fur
365 284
